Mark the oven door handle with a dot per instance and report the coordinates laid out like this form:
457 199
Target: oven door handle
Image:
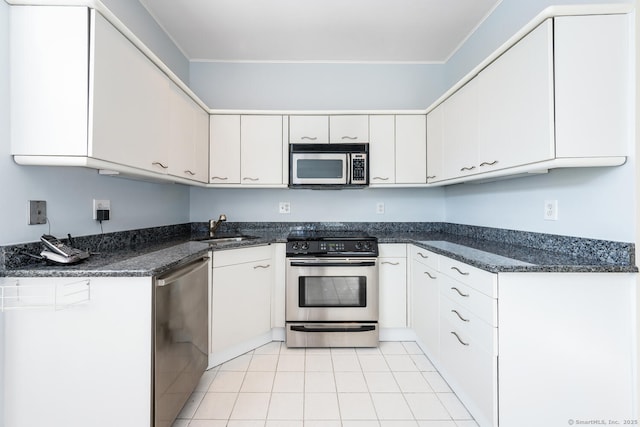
364 328
333 264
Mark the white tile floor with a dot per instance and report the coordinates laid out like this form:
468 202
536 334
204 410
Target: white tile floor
394 385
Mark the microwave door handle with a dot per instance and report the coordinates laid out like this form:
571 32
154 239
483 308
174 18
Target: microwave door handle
349 167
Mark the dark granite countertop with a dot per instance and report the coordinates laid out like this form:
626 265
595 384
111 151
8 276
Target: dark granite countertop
492 250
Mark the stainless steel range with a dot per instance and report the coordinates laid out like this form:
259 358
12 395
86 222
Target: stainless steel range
331 289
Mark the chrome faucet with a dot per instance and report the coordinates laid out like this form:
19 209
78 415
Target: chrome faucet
214 224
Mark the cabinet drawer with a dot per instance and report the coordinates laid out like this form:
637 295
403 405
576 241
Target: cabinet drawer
479 304
472 373
425 257
241 255
348 129
470 328
309 129
395 250
481 280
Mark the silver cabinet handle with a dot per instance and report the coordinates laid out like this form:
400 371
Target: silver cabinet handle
390 263
489 163
350 137
189 172
470 168
423 255
460 271
248 178
459 292
431 176
382 178
160 164
223 178
310 138
430 276
461 342
261 266
459 316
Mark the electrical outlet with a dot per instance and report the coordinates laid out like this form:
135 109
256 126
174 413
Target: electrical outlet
284 207
101 205
379 208
37 212
551 210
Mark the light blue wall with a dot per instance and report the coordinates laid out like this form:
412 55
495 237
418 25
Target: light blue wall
317 205
308 86
69 191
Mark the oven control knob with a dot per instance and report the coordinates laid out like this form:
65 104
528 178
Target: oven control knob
300 246
366 246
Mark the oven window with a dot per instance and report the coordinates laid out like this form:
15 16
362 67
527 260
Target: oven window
333 291
319 168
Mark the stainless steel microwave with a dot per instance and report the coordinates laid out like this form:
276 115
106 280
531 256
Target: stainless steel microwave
320 166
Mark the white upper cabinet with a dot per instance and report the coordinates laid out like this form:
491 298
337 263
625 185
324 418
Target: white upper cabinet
460 129
558 97
349 129
515 115
411 149
261 150
101 103
592 73
224 149
248 150
382 149
309 129
129 112
189 138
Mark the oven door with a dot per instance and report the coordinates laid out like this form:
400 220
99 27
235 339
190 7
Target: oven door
319 168
332 290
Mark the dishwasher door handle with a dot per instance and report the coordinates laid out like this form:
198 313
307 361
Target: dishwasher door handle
177 274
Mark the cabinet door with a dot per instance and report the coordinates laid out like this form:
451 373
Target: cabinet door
435 144
129 103
461 132
241 303
67 363
348 129
224 149
309 129
188 132
592 85
425 311
382 153
411 149
261 146
515 118
48 108
393 292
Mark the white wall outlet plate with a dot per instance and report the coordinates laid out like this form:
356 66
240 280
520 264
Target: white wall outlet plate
379 208
284 208
551 210
100 205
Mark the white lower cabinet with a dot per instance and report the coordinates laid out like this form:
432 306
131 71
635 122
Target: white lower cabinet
242 281
393 285
528 349
83 365
425 312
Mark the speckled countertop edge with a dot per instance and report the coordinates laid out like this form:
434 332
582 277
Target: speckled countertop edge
489 255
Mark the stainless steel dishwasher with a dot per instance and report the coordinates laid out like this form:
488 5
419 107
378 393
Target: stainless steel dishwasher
180 337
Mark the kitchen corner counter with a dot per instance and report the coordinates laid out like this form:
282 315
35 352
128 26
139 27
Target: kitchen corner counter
589 256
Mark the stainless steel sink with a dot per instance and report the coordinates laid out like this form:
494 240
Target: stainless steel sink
227 239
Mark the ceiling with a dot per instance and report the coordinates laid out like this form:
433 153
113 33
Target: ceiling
411 31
